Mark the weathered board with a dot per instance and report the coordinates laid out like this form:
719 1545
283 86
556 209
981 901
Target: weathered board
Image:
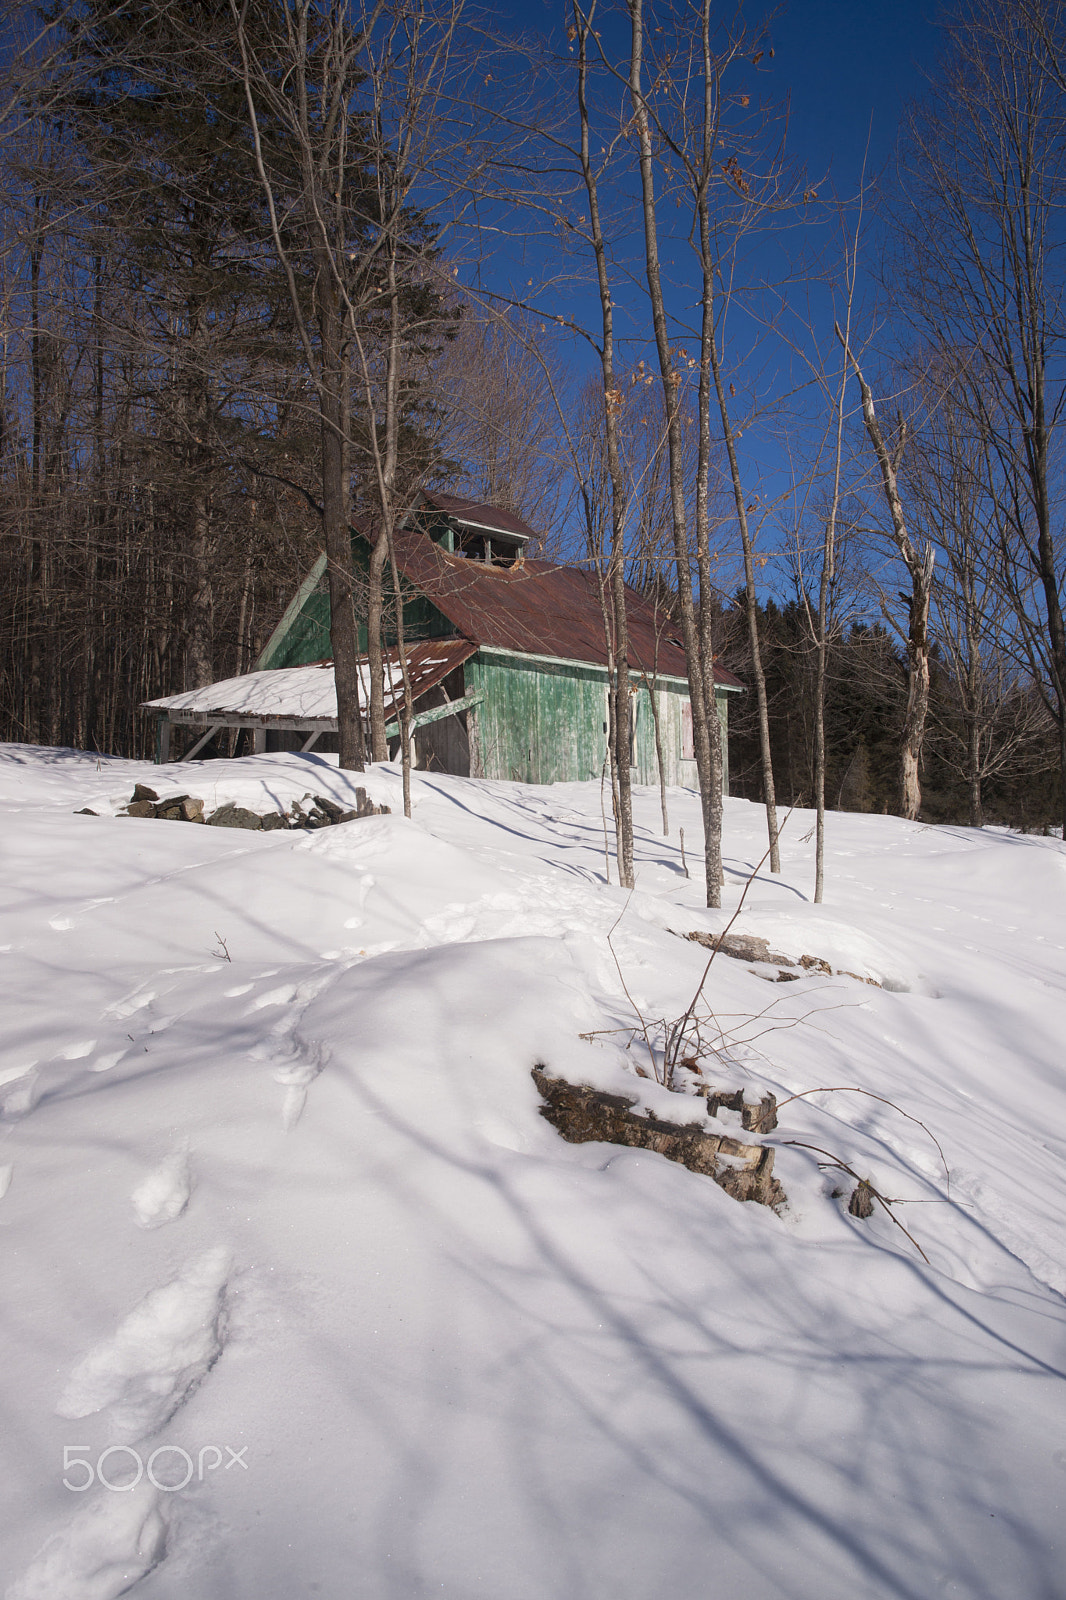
302 636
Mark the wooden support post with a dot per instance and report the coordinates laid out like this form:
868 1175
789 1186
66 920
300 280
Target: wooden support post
198 746
473 738
259 741
162 741
309 743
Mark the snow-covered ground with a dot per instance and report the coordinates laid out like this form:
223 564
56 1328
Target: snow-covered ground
279 1211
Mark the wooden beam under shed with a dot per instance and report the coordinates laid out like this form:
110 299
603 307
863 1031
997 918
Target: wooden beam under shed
449 709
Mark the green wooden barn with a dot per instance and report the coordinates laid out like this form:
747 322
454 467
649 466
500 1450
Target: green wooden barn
506 656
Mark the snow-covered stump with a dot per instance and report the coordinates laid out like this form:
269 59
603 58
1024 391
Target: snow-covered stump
584 1115
759 1116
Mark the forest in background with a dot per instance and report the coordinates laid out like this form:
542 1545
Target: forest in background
246 295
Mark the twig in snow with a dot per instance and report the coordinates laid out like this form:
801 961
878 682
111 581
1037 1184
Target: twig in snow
677 1032
629 997
835 1161
850 1089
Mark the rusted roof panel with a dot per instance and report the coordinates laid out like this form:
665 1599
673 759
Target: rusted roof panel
480 516
539 608
428 663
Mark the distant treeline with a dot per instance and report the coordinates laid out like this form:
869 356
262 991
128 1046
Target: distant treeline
866 691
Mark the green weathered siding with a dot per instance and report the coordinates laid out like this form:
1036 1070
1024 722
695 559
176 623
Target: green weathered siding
307 637
545 722
303 636
671 700
539 722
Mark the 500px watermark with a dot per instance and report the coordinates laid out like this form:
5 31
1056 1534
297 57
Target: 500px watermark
121 1468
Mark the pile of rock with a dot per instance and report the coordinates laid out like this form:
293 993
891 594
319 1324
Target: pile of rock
320 813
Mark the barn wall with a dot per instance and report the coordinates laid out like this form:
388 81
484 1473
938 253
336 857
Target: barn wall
545 722
671 702
539 722
444 746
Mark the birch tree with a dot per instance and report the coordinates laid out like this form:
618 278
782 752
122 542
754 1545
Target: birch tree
706 727
918 560
617 630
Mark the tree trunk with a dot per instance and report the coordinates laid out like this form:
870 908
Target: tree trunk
819 730
343 635
375 649
1056 630
618 623
653 700
199 655
973 770
914 719
700 672
766 759
920 568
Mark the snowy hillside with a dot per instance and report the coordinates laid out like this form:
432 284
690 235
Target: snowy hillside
277 1201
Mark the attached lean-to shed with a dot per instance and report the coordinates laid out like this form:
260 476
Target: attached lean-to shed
507 658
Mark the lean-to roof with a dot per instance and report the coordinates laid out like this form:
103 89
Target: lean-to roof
309 693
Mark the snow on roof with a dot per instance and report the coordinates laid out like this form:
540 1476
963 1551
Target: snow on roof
310 693
278 692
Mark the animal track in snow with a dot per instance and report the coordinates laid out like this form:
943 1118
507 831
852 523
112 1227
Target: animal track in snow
297 1078
20 1089
275 997
110 1545
5 1179
300 1061
78 1050
132 1002
164 1194
104 1063
158 1354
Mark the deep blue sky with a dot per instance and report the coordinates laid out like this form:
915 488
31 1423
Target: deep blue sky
843 64
846 70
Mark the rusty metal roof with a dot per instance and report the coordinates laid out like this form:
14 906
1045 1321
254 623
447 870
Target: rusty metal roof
493 518
428 663
540 608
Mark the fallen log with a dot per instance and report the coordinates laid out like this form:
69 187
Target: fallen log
584 1115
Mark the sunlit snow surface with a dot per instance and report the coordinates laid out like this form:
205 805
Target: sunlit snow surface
274 1191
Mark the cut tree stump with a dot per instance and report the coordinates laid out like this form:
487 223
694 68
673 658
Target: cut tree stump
760 1117
583 1115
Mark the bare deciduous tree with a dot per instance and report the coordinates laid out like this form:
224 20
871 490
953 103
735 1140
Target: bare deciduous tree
706 728
919 565
985 180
